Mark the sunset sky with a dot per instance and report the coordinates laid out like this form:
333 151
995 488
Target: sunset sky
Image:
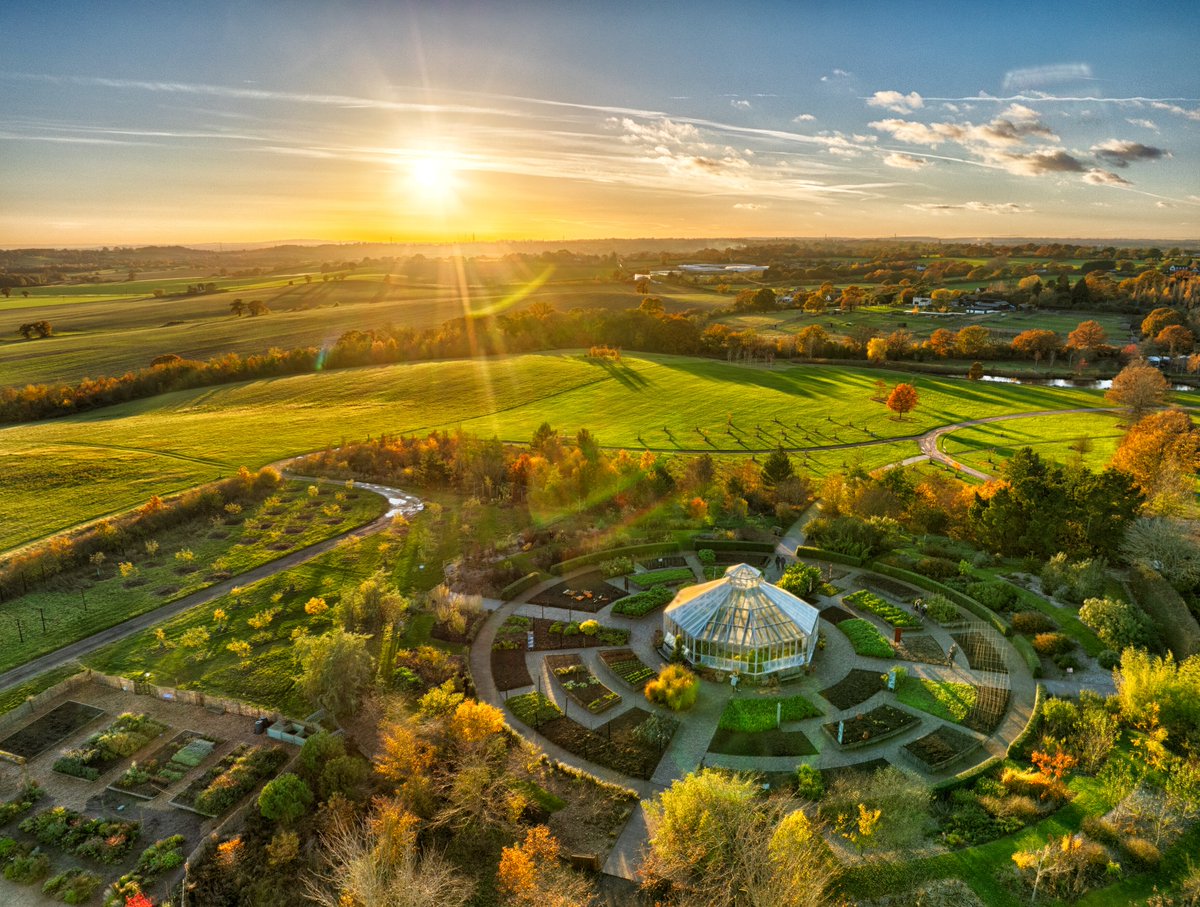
158 122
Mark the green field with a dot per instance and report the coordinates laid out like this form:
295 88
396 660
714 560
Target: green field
87 600
634 404
985 447
108 329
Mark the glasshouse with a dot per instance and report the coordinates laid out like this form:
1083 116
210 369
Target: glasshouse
741 623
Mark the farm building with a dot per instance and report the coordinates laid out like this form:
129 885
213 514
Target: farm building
742 623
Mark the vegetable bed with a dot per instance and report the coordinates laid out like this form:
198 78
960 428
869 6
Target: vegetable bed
873 604
627 666
101 751
580 683
866 639
758 714
881 722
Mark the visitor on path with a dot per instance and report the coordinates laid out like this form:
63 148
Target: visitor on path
950 654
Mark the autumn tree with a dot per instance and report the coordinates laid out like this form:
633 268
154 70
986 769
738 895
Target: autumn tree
1153 324
334 669
1139 387
1176 338
714 839
812 340
1037 344
532 875
942 342
973 342
1162 453
877 349
1088 337
903 399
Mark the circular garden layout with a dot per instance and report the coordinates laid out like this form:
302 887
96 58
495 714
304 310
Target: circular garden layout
888 685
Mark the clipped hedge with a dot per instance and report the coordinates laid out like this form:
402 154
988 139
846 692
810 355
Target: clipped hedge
1025 648
1168 610
954 595
1031 726
633 551
822 554
967 776
735 545
524 584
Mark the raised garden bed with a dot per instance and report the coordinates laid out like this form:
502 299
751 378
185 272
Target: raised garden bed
509 670
642 603
880 723
949 700
854 689
77 834
589 592
869 767
835 615
580 683
627 666
168 764
533 709
771 742
758 713
873 604
101 751
553 634
991 704
981 654
920 647
220 788
52 728
866 638
941 748
889 587
667 576
618 744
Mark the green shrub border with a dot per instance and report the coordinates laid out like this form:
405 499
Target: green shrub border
1025 648
836 557
967 776
1032 725
633 551
524 584
733 545
932 585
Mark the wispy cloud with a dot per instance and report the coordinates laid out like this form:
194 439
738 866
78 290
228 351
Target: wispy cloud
1098 177
750 206
1193 114
740 104
905 161
803 118
1145 124
977 207
1120 153
836 75
1054 74
895 101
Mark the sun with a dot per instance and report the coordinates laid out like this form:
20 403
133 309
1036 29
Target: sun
433 177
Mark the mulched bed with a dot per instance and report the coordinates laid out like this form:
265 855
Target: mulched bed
991 703
761 743
854 689
835 615
667 560
156 760
509 670
920 647
829 775
939 748
885 586
754 559
544 639
579 683
589 593
981 654
52 728
881 722
611 745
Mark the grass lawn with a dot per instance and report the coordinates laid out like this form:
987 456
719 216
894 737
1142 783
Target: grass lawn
865 638
985 447
752 713
89 599
945 699
631 404
15 696
268 676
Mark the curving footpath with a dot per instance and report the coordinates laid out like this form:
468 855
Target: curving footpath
399 503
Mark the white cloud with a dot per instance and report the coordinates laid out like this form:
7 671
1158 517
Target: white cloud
835 75
750 206
1145 124
977 207
656 132
905 161
1163 205
1121 153
1038 76
1020 113
1098 177
999 132
804 118
740 104
1177 110
895 101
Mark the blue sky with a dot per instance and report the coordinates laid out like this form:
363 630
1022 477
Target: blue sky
173 122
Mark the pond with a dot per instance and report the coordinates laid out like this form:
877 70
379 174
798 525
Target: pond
1096 384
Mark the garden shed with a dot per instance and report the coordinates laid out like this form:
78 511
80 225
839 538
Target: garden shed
742 623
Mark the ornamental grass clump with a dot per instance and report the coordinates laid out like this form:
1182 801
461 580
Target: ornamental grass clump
675 687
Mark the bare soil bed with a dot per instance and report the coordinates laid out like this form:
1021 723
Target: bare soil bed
772 742
52 728
941 747
589 592
509 670
835 615
881 722
889 587
667 560
920 647
991 704
854 689
613 745
981 654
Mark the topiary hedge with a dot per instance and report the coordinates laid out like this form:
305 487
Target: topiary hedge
632 551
